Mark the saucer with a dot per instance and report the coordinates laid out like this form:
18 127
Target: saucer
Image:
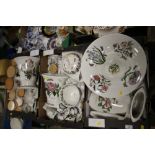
70 95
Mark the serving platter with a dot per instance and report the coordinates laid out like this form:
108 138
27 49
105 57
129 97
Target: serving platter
113 65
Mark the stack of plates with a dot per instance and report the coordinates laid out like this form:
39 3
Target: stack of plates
112 67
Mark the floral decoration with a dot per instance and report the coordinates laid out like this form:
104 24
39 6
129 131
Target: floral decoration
124 48
29 69
99 83
97 56
131 77
114 68
53 88
106 103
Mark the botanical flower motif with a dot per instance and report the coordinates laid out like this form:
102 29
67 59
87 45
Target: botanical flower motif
96 77
131 77
134 78
29 64
114 68
28 68
96 56
104 88
99 83
124 48
104 103
51 86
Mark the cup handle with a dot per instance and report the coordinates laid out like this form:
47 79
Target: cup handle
96 113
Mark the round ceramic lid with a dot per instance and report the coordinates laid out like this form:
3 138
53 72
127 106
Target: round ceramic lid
113 65
11 105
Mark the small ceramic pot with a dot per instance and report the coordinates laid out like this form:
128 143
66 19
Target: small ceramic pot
53 85
27 67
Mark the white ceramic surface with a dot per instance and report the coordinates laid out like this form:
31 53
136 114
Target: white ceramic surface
27 68
113 65
19 101
109 105
16 123
97 114
138 104
71 95
30 96
71 64
53 85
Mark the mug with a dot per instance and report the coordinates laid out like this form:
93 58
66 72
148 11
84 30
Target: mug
53 86
27 67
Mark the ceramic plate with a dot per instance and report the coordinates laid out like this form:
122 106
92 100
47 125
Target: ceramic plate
113 65
109 105
71 64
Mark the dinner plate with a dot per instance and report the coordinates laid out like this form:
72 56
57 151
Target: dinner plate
71 63
113 65
109 105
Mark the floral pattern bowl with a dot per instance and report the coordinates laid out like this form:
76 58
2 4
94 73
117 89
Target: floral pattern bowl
27 70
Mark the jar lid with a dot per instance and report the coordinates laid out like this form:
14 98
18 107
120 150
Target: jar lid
9 83
11 71
20 92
